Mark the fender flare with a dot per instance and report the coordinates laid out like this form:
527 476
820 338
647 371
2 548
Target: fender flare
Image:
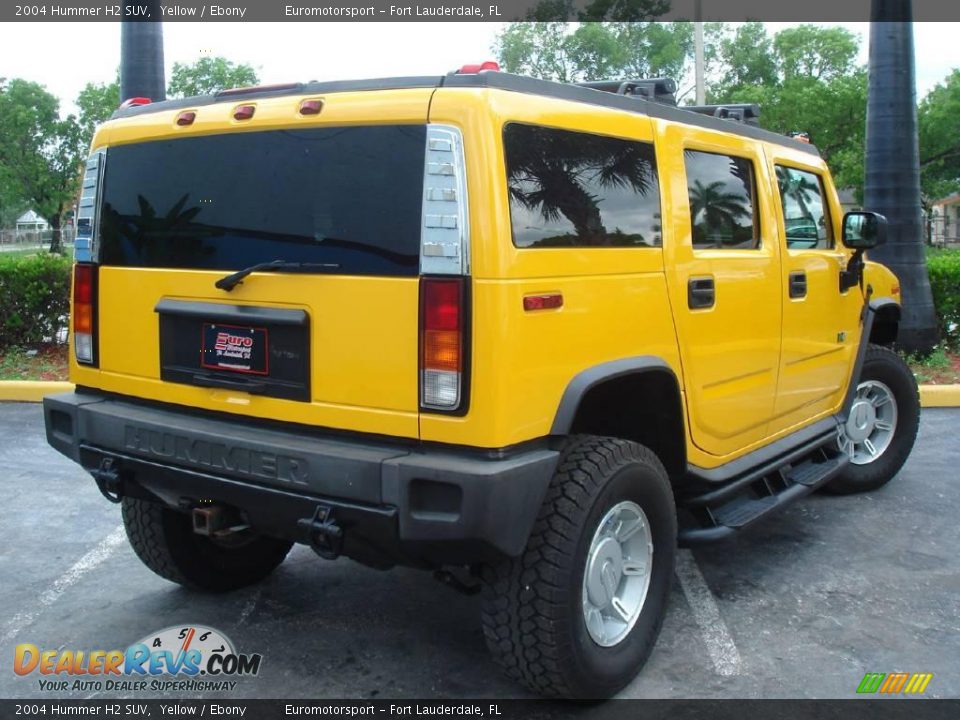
589 378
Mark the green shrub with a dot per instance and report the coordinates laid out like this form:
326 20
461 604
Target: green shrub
34 298
944 268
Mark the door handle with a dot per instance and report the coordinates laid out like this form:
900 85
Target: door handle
701 292
798 284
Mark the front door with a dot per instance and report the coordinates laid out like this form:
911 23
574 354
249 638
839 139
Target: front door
821 324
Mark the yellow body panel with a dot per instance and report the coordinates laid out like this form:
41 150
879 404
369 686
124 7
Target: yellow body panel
744 383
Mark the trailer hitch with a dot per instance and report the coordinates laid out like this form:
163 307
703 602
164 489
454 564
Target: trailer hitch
324 535
108 480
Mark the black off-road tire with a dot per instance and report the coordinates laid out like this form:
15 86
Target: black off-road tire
884 365
164 540
532 605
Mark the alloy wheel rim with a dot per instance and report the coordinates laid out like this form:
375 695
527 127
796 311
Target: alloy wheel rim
616 577
871 425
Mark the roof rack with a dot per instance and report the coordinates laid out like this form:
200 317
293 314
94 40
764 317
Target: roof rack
747 113
661 90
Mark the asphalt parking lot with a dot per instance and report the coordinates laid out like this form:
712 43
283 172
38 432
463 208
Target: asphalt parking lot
802 606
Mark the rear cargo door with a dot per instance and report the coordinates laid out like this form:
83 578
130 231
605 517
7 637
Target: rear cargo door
328 336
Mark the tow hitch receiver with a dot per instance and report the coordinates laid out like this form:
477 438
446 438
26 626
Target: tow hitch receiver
108 480
323 533
216 521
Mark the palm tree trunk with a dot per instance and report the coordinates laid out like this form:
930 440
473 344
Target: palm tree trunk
141 56
892 184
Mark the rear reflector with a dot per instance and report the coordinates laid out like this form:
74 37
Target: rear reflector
441 342
244 112
549 301
84 296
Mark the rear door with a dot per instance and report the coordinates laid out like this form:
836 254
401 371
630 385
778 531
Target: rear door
723 271
331 342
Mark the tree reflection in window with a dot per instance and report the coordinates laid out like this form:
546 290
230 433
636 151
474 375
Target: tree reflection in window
805 215
572 189
721 192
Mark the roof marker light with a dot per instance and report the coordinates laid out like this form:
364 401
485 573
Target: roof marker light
489 65
244 112
186 118
311 107
134 101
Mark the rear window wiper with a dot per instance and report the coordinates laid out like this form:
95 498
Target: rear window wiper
229 282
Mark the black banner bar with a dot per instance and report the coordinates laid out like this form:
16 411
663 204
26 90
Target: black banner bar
124 709
451 10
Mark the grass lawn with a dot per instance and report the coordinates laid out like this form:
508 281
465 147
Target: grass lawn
46 362
21 252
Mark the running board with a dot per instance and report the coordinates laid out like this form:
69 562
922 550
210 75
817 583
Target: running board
723 512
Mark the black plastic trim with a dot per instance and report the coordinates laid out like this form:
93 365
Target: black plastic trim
454 507
502 81
769 454
232 313
310 88
586 379
635 104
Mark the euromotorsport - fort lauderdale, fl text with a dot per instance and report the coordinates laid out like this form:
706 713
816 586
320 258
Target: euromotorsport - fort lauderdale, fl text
471 11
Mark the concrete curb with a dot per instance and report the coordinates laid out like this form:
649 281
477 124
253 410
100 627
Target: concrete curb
30 390
937 396
33 391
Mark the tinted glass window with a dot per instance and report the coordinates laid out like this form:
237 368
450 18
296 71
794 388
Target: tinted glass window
571 189
351 197
722 207
805 215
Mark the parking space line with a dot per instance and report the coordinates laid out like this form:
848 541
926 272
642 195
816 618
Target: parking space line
88 562
720 646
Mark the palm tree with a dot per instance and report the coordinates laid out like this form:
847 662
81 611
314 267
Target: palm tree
799 188
712 210
141 55
892 185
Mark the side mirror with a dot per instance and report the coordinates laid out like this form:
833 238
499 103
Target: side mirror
864 230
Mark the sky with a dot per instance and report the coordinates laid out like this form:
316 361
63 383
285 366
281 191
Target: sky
65 56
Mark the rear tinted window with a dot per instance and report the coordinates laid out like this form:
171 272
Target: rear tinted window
722 190
573 189
346 196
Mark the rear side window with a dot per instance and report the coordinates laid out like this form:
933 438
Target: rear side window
348 197
572 189
722 192
806 218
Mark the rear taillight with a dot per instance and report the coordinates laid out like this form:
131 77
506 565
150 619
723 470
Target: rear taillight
442 360
84 312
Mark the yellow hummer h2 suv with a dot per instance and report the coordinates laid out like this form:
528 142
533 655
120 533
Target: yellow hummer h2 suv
528 335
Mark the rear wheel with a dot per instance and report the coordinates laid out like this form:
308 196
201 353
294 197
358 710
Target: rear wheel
578 613
164 541
882 427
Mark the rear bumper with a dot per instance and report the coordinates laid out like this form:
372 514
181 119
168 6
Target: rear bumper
396 504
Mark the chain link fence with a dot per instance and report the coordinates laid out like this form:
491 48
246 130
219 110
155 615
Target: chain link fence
943 231
12 240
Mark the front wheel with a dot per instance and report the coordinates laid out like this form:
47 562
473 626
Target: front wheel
882 426
578 613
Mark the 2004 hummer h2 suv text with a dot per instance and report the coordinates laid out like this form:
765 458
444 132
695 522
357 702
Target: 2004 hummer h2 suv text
525 334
